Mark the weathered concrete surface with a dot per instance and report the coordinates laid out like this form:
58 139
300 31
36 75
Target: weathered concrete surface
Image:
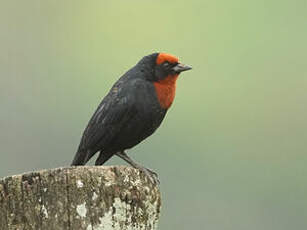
90 198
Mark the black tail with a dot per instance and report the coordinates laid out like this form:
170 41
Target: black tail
103 157
81 157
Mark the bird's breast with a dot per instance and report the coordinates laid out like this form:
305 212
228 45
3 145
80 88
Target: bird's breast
165 90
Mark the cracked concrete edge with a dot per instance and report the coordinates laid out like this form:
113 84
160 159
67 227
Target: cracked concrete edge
85 197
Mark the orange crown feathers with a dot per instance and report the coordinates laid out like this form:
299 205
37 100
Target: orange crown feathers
162 57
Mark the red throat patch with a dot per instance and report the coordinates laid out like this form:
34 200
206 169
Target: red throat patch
165 90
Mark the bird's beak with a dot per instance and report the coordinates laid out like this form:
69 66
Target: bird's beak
181 67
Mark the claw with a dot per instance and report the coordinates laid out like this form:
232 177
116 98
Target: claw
152 172
152 176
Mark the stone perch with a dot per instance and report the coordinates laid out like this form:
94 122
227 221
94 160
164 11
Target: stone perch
90 198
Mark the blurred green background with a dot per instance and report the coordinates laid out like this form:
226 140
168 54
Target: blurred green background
232 151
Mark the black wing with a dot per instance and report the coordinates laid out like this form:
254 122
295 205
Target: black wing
113 113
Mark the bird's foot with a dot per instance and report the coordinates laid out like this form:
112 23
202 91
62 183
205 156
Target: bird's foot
153 176
152 172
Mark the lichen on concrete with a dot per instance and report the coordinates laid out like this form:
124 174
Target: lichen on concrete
91 198
81 210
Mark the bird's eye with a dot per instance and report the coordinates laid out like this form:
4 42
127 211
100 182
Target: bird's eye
166 64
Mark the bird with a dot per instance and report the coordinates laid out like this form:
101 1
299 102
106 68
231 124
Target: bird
131 111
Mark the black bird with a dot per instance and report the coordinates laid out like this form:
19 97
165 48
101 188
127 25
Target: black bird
132 110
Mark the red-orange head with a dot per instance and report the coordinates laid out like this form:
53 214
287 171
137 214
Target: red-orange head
168 65
166 71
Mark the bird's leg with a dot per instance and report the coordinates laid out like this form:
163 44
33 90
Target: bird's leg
125 157
151 174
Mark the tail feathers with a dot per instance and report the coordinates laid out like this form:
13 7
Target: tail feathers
103 157
81 157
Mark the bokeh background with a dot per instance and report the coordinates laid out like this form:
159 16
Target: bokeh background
232 151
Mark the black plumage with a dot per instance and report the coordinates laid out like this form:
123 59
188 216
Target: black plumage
128 114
